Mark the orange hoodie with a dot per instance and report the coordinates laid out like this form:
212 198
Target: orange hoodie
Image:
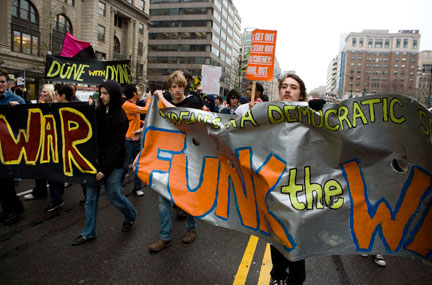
133 114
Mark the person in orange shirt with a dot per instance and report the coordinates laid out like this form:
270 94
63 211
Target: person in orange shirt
133 135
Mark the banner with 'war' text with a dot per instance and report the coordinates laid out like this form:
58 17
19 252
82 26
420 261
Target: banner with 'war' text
48 141
352 178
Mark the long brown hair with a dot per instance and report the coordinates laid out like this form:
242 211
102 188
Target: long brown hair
303 95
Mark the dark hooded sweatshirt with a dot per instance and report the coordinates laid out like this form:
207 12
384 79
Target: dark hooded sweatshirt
111 130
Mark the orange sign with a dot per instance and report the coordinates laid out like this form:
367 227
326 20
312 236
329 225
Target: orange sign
261 56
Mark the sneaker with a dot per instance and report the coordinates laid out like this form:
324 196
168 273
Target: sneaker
138 192
51 208
13 217
181 215
380 261
364 255
127 226
82 239
160 244
32 197
189 237
278 282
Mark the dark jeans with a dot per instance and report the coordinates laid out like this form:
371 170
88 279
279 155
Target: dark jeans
296 269
40 190
9 200
132 150
57 191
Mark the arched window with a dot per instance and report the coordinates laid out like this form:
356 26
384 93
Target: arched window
60 27
25 27
116 45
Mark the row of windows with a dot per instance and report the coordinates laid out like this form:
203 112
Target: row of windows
176 1
186 23
377 53
176 60
178 11
380 43
175 36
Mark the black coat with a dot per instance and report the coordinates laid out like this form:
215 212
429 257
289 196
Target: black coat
111 130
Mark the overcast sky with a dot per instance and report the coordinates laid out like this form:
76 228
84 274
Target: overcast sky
309 30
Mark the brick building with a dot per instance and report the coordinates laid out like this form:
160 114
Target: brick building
31 29
376 61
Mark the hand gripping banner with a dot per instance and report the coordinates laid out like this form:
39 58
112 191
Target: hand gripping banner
352 178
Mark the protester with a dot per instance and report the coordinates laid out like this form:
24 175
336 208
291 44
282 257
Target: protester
259 90
40 190
112 125
12 207
177 83
291 89
218 103
132 139
232 101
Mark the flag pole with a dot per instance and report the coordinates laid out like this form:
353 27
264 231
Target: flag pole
253 92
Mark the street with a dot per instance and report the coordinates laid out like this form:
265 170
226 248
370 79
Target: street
38 250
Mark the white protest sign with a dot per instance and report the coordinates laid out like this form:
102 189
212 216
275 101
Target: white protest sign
210 79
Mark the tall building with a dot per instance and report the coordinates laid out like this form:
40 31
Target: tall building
424 78
32 29
185 34
332 76
376 61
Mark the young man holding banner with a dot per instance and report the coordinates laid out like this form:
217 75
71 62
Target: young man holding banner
177 83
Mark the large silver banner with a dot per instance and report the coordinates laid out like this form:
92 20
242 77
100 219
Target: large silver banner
352 178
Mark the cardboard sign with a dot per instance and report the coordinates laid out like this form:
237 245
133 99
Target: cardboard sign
210 79
262 54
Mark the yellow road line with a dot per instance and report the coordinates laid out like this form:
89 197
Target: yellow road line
264 277
243 269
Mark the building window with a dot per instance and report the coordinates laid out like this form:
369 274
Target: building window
405 44
398 43
361 42
118 21
378 43
25 43
414 44
25 10
141 5
61 26
140 48
116 45
25 27
387 43
370 43
354 42
141 29
101 33
69 2
102 8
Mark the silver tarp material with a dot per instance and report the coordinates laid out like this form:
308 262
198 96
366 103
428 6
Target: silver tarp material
352 178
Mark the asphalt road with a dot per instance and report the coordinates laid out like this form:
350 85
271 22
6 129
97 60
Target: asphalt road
38 250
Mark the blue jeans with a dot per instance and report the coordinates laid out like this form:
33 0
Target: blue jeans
132 150
113 190
166 219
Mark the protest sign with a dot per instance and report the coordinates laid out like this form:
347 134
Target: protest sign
210 79
261 57
352 178
48 141
89 72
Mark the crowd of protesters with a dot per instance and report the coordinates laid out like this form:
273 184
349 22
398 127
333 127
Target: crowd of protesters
119 119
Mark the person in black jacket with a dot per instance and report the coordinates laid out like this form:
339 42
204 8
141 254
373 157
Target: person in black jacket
112 124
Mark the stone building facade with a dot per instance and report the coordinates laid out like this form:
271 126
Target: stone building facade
32 29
